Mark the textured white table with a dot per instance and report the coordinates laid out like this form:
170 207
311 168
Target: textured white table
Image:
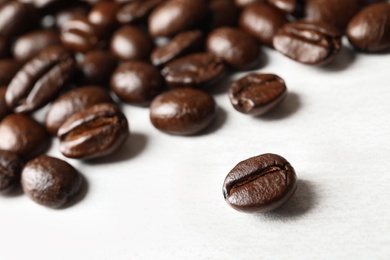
161 197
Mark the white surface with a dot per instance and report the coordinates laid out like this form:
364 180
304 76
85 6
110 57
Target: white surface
161 198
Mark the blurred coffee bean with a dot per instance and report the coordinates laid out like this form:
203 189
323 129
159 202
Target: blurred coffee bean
103 15
10 168
4 109
243 3
70 12
293 7
136 10
8 69
4 48
221 13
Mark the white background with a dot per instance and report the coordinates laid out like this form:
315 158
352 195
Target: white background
161 196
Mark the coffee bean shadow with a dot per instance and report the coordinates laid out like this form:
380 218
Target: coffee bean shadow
218 122
290 105
79 196
342 61
222 86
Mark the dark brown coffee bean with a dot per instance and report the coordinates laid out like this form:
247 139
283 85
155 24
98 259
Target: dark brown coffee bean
74 101
136 82
293 7
308 43
4 48
243 3
103 15
96 131
70 12
237 48
39 80
256 94
96 68
32 43
174 16
194 70
369 30
136 10
4 109
17 17
10 168
8 69
181 44
23 135
50 181
131 43
262 21
260 184
221 13
183 111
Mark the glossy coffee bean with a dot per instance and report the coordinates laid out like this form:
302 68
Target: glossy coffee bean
96 131
103 15
23 135
39 80
8 69
194 70
262 21
10 168
74 101
31 44
131 43
308 43
183 43
70 12
136 82
4 109
17 17
293 7
243 3
174 16
260 184
136 10
50 181
237 48
369 30
256 94
182 111
221 13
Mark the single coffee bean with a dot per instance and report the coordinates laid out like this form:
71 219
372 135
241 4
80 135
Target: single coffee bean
256 94
243 3
131 43
70 12
136 82
4 48
39 80
96 131
308 43
31 44
183 43
10 168
74 101
50 181
221 13
262 21
237 48
136 10
293 7
23 135
182 111
174 16
369 30
4 109
194 70
8 69
103 15
17 17
260 184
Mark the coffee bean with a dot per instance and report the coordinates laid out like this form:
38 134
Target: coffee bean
136 10
262 21
183 43
237 48
308 43
70 12
182 111
8 69
174 16
23 135
50 181
10 168
256 94
136 82
4 48
17 17
74 101
96 131
221 13
39 80
243 3
369 30
293 7
131 43
103 15
260 184
4 109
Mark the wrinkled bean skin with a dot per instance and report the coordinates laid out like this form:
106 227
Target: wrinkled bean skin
10 168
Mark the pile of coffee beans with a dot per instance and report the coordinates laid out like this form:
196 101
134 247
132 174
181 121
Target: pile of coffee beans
80 60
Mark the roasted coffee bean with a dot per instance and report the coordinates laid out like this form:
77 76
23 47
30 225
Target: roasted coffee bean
369 30
96 131
262 21
8 69
74 101
10 168
136 82
131 43
243 3
39 80
103 15
183 111
174 16
50 181
69 13
221 13
17 17
4 48
42 3
194 70
256 94
32 43
293 7
96 68
308 43
23 135
4 109
136 10
237 48
260 184
3 2
181 44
